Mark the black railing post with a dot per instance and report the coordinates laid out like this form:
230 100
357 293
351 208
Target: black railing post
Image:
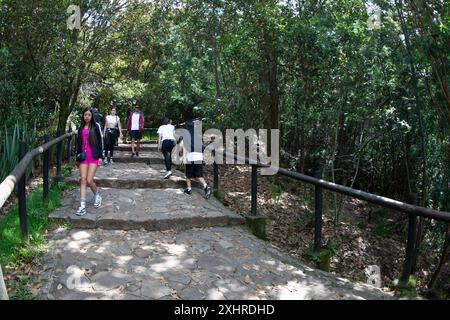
45 169
407 267
215 167
21 194
69 146
216 171
58 156
318 203
254 189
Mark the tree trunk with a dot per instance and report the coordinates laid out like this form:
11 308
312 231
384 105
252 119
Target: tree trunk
444 258
270 84
68 102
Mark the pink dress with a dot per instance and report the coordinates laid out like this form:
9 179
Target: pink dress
89 159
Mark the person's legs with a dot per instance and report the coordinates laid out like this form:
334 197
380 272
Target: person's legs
132 145
83 183
111 149
90 180
167 147
90 177
189 174
198 173
138 146
107 149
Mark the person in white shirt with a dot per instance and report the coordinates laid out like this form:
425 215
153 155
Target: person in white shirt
166 143
112 130
135 128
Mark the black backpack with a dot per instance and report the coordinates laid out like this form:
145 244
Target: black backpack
98 117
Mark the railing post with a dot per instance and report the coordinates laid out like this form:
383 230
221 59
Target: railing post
216 175
254 189
215 167
58 156
21 194
407 267
318 199
45 169
215 170
69 146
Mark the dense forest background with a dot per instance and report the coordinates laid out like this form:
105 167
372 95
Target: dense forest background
368 103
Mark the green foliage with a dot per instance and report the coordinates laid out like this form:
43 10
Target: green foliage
276 192
12 250
22 291
407 290
383 230
9 146
67 169
322 257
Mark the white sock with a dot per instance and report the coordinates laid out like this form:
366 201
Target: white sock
83 203
205 185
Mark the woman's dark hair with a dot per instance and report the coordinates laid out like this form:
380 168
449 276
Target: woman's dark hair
189 123
92 127
165 121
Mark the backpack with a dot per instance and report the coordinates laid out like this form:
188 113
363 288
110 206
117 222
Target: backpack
98 117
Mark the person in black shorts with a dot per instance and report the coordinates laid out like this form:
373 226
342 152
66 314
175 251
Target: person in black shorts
135 128
193 160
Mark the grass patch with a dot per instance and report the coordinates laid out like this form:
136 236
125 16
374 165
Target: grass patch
22 291
383 230
12 250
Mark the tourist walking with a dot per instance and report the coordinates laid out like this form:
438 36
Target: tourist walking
166 143
193 159
89 154
135 128
113 129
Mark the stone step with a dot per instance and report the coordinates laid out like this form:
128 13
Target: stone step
149 209
211 264
148 157
128 141
144 147
133 175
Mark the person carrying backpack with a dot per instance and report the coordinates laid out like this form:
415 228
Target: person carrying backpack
193 160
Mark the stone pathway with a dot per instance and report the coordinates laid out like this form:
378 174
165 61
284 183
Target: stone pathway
151 241
150 209
133 175
144 147
211 263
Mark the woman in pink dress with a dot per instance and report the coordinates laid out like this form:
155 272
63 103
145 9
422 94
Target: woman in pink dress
89 142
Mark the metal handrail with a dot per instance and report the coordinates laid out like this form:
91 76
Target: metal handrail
413 211
355 193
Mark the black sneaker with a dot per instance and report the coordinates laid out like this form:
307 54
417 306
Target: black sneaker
207 192
137 154
132 155
187 191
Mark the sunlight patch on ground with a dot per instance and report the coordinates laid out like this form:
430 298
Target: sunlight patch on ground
170 262
175 249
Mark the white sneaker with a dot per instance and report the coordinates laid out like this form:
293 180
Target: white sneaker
97 201
105 162
81 211
111 161
168 174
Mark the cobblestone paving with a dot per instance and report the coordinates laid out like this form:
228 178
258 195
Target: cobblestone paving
211 263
